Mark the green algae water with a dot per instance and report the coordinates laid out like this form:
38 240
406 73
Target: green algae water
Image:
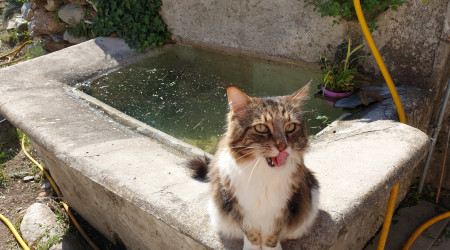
180 91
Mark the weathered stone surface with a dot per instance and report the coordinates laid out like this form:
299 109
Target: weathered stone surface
71 14
26 11
39 223
288 29
72 39
51 5
130 196
44 23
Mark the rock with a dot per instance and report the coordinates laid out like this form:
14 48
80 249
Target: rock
71 14
47 185
44 23
17 23
28 178
11 25
54 46
72 39
37 177
40 223
21 24
17 175
46 193
51 5
57 37
43 200
26 11
68 243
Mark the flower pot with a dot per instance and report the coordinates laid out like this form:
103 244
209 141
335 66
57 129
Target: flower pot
335 95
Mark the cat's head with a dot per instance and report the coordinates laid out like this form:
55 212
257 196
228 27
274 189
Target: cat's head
270 128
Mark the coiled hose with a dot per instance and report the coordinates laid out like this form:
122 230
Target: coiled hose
401 115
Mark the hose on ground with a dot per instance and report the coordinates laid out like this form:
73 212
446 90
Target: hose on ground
400 111
66 207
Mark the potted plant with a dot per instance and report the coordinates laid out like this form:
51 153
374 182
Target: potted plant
338 79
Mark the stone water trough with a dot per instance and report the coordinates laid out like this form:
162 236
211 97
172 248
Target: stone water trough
134 188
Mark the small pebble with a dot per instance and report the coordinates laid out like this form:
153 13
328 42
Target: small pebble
28 178
43 194
42 199
47 185
37 177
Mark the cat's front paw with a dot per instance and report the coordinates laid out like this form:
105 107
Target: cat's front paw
277 247
249 246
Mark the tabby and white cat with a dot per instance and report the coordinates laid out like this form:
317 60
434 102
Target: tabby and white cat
261 189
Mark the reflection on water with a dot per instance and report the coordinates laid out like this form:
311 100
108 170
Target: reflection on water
180 91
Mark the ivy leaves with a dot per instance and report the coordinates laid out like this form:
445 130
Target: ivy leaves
345 9
137 21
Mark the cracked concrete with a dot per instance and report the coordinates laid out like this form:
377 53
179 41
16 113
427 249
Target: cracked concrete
135 189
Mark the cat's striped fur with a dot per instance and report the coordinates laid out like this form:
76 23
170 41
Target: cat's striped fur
261 189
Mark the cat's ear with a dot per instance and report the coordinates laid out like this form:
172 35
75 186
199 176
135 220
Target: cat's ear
302 94
237 99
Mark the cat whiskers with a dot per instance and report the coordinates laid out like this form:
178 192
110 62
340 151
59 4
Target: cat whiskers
244 155
251 173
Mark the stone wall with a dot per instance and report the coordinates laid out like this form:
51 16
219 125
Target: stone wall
50 20
413 41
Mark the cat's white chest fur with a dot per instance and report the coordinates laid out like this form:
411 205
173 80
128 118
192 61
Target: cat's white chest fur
262 191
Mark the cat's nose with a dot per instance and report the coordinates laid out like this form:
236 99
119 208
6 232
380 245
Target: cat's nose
281 147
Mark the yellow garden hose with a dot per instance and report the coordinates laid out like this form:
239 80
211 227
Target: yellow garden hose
16 51
401 115
66 207
424 226
400 111
41 168
15 233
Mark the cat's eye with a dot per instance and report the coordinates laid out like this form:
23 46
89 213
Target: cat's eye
261 128
290 128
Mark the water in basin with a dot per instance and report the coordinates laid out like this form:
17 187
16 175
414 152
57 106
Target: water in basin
180 91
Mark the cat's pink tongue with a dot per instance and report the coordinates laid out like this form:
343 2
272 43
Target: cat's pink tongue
280 158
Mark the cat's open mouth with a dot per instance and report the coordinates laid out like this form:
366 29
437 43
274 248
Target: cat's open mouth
270 162
277 160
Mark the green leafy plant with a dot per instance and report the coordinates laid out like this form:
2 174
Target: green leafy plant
344 9
137 21
35 49
339 77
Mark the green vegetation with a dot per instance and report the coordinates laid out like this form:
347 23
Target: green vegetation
343 9
137 21
339 76
35 49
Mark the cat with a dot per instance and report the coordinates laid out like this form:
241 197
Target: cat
261 190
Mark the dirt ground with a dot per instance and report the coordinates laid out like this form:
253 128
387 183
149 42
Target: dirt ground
15 194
